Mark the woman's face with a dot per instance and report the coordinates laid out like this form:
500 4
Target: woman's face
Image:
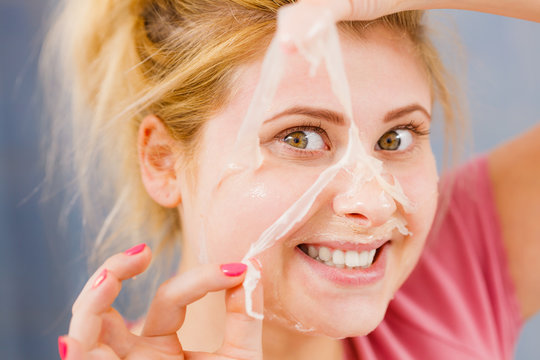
304 134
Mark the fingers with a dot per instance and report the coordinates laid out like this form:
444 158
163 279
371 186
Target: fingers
359 9
116 333
304 29
117 268
301 23
71 349
340 9
168 309
100 292
243 333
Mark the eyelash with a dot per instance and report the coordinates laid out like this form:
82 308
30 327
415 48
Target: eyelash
311 126
411 126
317 127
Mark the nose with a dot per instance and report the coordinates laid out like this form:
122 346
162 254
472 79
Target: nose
367 205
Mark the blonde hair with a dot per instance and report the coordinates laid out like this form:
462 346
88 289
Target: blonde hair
122 59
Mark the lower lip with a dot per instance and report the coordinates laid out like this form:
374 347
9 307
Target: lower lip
349 277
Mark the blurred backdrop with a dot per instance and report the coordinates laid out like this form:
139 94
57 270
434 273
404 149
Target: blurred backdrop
42 268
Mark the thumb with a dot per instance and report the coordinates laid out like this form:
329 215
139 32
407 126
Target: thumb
243 333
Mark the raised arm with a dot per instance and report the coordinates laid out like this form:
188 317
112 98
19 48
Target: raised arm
521 9
515 173
371 9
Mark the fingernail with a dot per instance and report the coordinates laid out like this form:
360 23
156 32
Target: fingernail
101 278
62 347
233 269
135 250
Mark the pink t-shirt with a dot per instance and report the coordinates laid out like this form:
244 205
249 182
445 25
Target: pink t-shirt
459 303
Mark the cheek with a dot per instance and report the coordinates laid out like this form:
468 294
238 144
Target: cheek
419 181
247 203
420 185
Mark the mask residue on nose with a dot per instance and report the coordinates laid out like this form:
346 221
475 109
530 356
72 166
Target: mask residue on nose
247 155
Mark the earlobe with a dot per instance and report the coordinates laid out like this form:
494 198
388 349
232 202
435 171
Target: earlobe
158 156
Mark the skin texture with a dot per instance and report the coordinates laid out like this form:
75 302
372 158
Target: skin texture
97 331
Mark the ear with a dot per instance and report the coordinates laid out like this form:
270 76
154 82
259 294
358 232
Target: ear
157 160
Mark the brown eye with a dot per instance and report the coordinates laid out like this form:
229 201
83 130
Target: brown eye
389 141
297 139
393 140
305 140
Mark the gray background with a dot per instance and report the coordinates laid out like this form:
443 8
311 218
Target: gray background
43 268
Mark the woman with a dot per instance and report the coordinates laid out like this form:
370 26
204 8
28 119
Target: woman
195 67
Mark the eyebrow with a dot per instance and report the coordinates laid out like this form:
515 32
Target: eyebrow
317 113
339 119
405 110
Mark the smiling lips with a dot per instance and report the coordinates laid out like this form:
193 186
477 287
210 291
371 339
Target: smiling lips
345 255
347 264
350 259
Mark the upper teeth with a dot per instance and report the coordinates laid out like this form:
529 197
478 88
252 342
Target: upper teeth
340 258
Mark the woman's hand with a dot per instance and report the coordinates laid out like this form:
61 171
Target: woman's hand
359 9
304 21
98 331
372 9
305 25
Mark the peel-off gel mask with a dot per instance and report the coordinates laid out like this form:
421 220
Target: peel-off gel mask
354 161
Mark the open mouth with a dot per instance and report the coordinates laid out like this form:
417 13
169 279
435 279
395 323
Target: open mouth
342 259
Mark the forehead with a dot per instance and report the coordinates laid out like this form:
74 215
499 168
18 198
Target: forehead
383 71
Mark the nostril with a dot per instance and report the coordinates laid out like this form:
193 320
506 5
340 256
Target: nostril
359 219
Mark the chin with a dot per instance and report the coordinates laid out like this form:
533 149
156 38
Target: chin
336 313
349 325
338 321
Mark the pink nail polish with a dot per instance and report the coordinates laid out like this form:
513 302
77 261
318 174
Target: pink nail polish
135 250
233 269
100 279
62 347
